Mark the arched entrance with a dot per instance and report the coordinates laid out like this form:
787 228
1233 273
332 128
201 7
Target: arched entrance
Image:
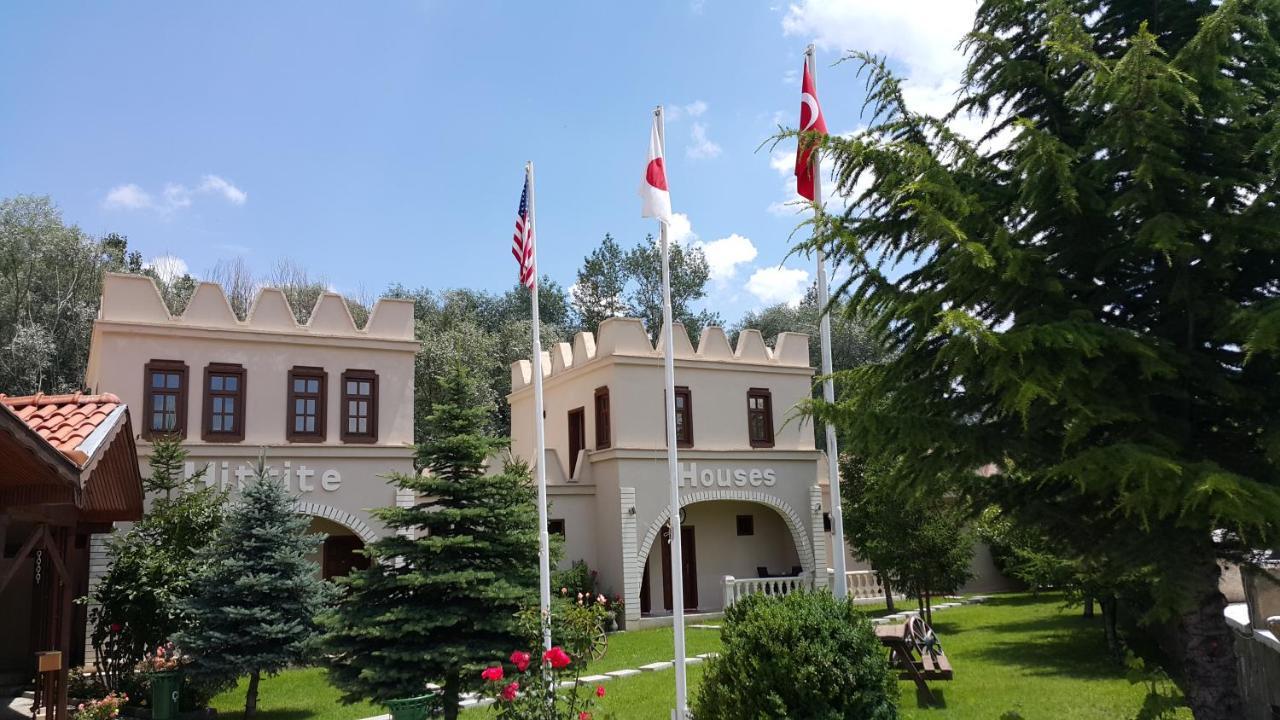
719 537
339 554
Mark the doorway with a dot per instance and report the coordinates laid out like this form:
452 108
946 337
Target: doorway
689 571
340 556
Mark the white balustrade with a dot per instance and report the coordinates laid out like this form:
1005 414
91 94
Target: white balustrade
864 586
735 589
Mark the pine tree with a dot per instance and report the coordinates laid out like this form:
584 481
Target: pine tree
255 595
440 605
1092 307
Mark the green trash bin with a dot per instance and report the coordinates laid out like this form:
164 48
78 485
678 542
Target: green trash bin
164 694
414 708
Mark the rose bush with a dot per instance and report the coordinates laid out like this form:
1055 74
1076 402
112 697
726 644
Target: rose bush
534 692
107 708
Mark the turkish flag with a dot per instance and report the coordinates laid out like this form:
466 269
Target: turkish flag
811 120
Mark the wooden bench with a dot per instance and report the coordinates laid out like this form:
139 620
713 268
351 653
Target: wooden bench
915 652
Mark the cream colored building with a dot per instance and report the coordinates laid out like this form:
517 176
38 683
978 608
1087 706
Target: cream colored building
753 489
329 404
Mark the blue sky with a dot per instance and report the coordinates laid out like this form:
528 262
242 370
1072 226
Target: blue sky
384 142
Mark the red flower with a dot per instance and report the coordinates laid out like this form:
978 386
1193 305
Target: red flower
599 691
520 660
584 715
116 628
492 674
160 651
509 692
557 657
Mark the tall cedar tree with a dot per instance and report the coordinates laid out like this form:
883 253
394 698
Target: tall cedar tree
439 601
1094 308
255 596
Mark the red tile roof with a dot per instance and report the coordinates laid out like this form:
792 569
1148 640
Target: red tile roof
63 420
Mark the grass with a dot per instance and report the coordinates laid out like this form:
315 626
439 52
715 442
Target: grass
1014 654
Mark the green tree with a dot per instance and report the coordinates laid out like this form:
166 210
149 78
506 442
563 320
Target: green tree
254 594
613 282
440 600
1093 309
602 280
136 606
50 282
919 543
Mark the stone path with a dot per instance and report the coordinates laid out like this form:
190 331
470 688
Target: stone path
474 700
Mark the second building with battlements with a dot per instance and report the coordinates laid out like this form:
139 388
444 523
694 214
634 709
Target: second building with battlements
753 487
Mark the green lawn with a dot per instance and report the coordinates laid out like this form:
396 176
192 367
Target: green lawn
1014 653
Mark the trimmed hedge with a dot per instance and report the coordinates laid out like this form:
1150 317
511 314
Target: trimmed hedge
805 656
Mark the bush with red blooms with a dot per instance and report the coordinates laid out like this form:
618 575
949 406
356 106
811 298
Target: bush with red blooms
108 708
534 691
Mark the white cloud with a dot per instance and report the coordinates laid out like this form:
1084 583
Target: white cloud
922 36
781 284
127 197
726 254
680 231
675 113
215 184
701 147
168 267
174 196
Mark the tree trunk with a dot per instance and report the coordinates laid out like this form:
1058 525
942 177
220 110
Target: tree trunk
1208 653
928 608
449 694
1108 603
251 698
888 595
1088 607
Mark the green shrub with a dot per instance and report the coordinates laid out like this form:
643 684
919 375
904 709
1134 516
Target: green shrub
805 656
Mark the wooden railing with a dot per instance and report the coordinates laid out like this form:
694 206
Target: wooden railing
864 586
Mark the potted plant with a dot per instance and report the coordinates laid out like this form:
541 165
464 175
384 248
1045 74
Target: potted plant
164 672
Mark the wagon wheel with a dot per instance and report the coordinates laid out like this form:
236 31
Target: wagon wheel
599 643
921 637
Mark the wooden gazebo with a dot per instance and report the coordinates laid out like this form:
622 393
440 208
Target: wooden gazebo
68 469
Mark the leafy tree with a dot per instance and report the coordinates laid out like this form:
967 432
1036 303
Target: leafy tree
613 283
440 600
481 331
599 293
50 282
255 595
917 542
1091 307
136 606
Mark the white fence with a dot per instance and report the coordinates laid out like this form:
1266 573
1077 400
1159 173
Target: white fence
864 586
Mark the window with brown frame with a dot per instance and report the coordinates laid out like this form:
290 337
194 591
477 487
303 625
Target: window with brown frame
359 406
604 433
166 398
760 417
746 525
684 417
555 526
308 388
224 390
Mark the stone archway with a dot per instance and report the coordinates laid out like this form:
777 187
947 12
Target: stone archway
804 548
342 517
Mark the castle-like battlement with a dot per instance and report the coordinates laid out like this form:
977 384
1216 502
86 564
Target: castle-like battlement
136 299
625 337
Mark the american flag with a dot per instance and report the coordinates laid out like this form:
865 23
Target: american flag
522 241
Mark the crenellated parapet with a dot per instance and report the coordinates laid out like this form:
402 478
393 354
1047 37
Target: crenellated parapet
137 299
625 337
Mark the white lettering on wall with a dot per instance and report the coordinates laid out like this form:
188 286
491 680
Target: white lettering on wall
220 475
692 477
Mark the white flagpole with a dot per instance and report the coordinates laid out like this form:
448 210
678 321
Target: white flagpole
673 467
540 464
841 589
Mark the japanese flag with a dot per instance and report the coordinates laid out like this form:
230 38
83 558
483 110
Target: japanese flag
655 199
